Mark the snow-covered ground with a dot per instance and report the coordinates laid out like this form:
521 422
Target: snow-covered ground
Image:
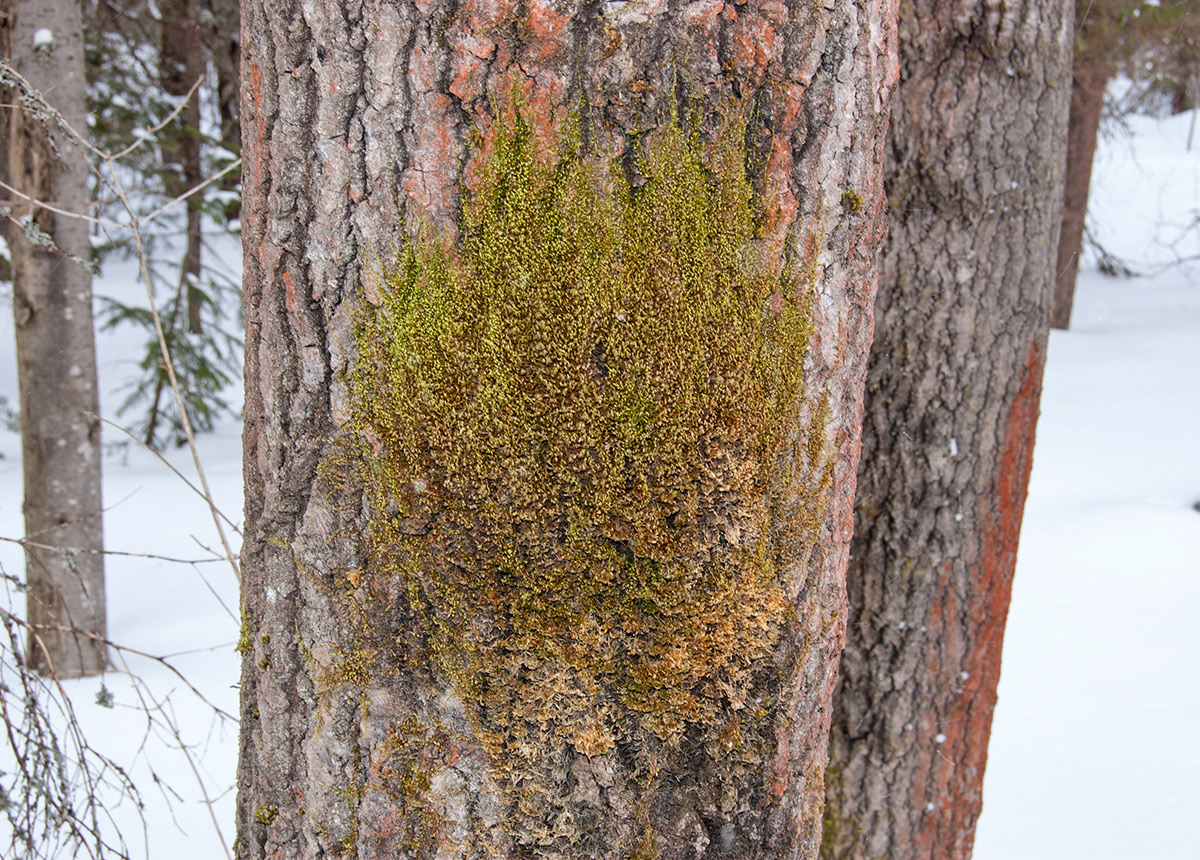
1094 753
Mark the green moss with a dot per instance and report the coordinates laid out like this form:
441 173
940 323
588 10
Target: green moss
579 433
354 667
266 813
243 644
852 201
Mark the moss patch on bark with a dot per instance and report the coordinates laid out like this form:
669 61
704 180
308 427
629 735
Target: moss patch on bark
578 426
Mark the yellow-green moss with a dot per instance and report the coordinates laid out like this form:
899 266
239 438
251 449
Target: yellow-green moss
579 429
354 667
243 644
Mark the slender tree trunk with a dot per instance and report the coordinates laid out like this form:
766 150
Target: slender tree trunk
1089 79
359 116
974 177
7 21
224 45
181 64
56 352
223 42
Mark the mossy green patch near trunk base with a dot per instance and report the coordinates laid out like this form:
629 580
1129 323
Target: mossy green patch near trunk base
579 431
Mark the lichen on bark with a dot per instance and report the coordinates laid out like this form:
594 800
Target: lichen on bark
577 424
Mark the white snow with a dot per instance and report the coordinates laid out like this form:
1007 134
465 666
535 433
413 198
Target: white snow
43 37
1094 752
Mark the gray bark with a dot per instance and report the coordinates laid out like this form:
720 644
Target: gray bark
974 177
360 115
56 355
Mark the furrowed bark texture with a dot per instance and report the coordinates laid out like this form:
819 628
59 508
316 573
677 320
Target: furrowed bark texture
974 177
56 354
1089 78
358 121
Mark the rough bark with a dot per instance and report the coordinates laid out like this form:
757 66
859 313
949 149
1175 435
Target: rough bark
56 355
1089 79
361 117
974 175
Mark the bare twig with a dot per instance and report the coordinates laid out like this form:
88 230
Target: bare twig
208 801
175 389
150 132
55 209
62 786
25 542
193 190
124 649
171 466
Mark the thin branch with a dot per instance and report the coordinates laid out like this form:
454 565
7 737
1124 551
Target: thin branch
25 542
208 801
171 466
125 649
42 204
193 190
155 129
144 266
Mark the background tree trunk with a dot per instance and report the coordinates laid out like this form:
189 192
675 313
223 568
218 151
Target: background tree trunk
1089 80
56 353
358 116
974 176
222 36
181 65
7 22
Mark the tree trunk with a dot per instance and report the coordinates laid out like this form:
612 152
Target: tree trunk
56 353
181 64
1089 79
360 118
7 21
974 178
223 43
